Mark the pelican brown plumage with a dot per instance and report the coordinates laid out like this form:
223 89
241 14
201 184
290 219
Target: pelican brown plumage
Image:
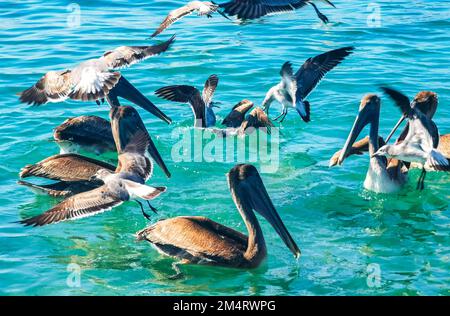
201 104
96 79
196 239
124 183
254 9
239 123
203 8
293 89
88 132
380 177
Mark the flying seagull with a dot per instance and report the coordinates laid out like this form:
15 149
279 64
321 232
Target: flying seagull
126 182
203 8
254 9
294 88
201 103
96 79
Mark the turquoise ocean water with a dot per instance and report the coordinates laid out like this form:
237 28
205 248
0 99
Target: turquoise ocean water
345 233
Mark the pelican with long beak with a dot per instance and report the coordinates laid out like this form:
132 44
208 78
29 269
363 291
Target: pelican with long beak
380 178
421 141
196 239
125 183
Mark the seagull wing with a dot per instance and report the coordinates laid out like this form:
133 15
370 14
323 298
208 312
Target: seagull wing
253 9
174 16
209 89
54 86
65 167
77 206
314 69
125 56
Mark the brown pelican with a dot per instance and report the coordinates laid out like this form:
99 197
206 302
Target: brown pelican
126 183
88 132
196 239
294 88
380 178
203 8
97 79
239 124
254 9
420 142
201 104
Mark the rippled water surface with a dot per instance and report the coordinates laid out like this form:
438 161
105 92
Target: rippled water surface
343 231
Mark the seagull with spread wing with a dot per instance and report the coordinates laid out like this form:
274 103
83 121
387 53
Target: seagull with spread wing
293 89
201 103
126 182
203 8
254 9
97 79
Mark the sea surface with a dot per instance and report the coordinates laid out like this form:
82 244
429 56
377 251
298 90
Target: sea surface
353 242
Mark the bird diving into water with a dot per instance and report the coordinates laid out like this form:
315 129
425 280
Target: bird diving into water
421 140
199 240
254 9
126 182
239 123
203 8
293 89
381 177
97 79
201 103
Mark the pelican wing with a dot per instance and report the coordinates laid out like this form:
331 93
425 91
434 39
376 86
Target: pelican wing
196 238
54 86
257 119
314 69
133 142
185 94
125 56
175 15
65 167
78 206
209 89
253 9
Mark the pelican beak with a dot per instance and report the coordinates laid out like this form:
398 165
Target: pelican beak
261 203
400 121
154 153
363 119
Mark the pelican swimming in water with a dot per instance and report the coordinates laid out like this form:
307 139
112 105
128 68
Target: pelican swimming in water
203 8
380 177
97 79
126 182
239 123
293 89
420 142
196 239
201 104
88 132
254 9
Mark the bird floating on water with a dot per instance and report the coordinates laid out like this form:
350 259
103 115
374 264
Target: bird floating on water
419 144
201 104
380 177
88 132
197 239
239 123
254 9
97 79
293 89
203 8
126 182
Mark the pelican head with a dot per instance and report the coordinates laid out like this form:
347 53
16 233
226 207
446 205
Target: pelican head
249 193
369 111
